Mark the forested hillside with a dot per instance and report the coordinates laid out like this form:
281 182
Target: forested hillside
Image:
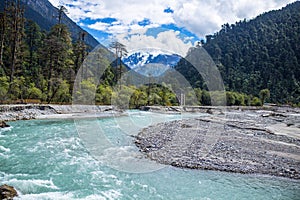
35 64
38 66
46 15
258 58
258 54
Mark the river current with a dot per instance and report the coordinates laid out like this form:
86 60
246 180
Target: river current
49 159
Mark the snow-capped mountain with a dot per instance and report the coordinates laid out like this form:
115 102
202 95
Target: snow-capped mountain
151 62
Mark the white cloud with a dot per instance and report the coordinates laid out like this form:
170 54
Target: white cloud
99 26
199 16
55 2
206 17
167 41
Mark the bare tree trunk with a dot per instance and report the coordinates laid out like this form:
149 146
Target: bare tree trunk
17 27
2 37
49 78
13 57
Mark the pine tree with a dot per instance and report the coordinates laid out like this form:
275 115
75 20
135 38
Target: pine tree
57 53
120 51
80 51
3 24
34 41
15 25
79 54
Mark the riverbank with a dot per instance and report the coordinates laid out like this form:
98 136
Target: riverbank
242 140
37 111
49 159
236 139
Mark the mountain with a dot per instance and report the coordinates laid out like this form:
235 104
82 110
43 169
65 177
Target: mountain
153 62
151 56
257 54
45 15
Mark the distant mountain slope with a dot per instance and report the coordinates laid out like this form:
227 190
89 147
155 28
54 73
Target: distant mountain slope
151 62
257 54
142 58
45 15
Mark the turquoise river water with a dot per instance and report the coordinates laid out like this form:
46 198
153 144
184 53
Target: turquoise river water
47 159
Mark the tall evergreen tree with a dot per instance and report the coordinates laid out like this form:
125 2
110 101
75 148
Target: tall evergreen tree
57 52
34 42
3 24
15 27
80 51
120 51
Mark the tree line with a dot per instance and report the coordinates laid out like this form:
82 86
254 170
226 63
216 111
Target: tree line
261 53
35 64
40 67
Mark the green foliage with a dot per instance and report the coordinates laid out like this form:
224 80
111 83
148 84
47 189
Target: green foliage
239 99
79 49
34 92
121 96
12 38
86 93
198 94
108 76
17 88
251 56
264 94
205 98
256 54
4 85
218 98
104 94
138 99
191 98
230 98
256 102
62 94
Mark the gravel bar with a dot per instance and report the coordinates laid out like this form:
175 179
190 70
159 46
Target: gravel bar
242 141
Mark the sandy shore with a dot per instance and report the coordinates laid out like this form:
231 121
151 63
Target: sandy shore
245 141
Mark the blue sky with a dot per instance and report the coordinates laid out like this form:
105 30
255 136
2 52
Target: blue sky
170 24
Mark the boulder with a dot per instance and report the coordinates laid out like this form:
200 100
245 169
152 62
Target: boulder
209 111
3 124
7 192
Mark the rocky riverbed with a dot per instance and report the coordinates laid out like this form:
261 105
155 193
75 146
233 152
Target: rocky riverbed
243 140
35 111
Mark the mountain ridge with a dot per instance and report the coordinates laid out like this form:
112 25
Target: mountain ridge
257 54
151 62
45 15
139 58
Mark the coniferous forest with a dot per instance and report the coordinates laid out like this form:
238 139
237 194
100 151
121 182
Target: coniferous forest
263 53
258 60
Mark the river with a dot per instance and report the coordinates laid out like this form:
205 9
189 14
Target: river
49 159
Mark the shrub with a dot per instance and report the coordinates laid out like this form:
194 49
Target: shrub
256 102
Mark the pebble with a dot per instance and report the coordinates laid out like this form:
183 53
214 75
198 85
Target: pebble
244 146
